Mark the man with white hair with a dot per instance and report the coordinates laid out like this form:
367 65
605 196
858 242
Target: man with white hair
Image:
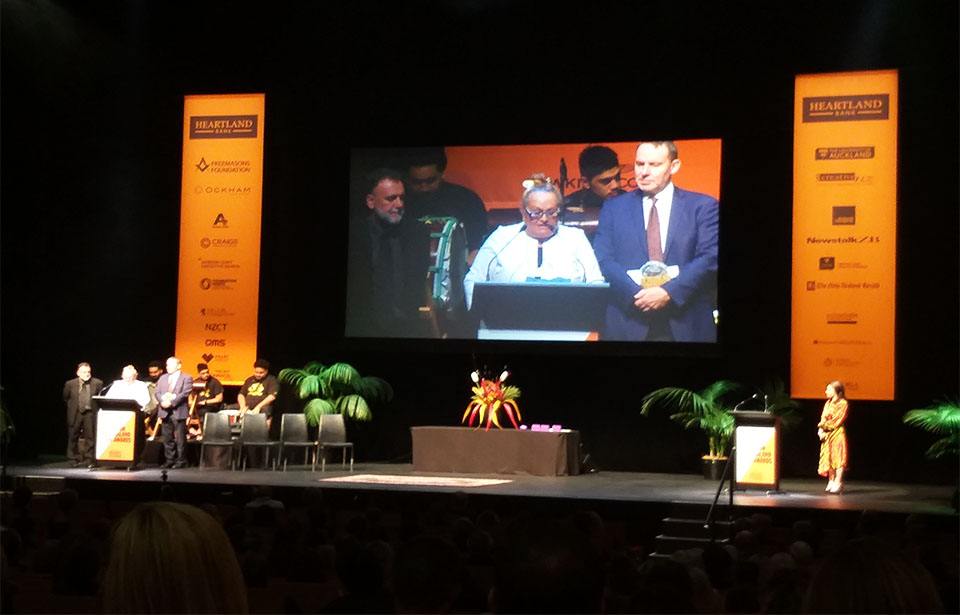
128 387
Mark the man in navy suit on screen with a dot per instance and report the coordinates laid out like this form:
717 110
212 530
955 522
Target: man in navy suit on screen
172 393
657 247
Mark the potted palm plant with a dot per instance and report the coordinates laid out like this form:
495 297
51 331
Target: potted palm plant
941 418
336 389
707 410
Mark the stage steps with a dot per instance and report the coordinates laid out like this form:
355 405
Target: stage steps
685 528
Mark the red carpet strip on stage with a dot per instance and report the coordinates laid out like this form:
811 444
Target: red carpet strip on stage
423 481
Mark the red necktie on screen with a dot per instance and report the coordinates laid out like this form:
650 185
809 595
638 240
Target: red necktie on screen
170 383
654 251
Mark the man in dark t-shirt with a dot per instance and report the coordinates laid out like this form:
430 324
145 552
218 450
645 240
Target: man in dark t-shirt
259 391
600 178
431 195
210 398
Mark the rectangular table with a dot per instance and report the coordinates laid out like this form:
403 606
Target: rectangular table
498 451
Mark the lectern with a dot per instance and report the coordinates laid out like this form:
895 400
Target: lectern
756 462
539 310
119 430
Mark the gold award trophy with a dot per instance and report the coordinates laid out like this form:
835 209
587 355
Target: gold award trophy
653 273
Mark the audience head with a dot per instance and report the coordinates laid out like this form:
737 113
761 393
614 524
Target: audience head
172 558
427 576
867 576
548 568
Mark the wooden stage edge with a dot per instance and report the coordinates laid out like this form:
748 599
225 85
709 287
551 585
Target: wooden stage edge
623 488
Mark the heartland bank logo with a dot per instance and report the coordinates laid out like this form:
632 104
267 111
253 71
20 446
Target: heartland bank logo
223 126
849 108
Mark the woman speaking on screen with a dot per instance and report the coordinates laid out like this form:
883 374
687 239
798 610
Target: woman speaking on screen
537 249
833 438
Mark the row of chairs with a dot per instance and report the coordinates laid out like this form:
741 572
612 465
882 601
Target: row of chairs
293 436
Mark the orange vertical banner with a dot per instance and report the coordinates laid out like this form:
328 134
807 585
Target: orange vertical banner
221 197
844 233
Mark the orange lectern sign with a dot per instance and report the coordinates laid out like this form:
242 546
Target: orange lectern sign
218 290
116 431
844 233
756 462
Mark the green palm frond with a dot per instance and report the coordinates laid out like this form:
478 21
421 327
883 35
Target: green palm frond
314 367
944 447
314 385
715 393
355 407
674 398
292 375
375 389
342 376
939 418
317 407
780 403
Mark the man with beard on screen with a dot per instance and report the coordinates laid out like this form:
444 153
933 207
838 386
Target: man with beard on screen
389 258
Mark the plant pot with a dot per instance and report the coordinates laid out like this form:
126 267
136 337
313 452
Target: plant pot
712 467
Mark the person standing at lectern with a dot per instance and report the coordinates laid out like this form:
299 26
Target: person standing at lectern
538 248
259 391
833 437
657 247
78 395
128 387
173 391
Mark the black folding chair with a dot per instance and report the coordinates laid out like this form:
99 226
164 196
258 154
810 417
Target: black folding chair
333 435
254 434
216 433
293 435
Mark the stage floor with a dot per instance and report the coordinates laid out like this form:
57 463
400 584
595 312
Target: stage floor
605 486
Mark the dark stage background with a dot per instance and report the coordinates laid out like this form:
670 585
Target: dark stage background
91 136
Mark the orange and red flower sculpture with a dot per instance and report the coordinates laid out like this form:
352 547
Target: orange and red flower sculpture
489 397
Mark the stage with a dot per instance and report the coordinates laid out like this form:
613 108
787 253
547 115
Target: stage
603 488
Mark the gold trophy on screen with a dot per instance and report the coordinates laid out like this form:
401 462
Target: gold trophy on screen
654 273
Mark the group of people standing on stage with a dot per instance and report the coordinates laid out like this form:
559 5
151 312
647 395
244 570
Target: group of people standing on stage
169 399
656 223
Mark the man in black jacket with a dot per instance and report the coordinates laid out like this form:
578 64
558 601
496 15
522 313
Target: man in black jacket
81 415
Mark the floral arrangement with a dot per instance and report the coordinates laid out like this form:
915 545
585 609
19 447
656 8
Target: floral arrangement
489 397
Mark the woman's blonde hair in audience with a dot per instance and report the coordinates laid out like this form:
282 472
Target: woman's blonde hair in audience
172 558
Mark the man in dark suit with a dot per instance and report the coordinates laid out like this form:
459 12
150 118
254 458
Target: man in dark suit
173 391
81 414
389 259
662 223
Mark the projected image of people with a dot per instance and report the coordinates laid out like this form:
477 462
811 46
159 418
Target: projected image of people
657 247
492 242
538 248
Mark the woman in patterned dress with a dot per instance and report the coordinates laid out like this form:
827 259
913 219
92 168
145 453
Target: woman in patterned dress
833 438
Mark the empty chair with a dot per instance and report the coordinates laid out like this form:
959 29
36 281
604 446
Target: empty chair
333 435
254 434
293 435
216 433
